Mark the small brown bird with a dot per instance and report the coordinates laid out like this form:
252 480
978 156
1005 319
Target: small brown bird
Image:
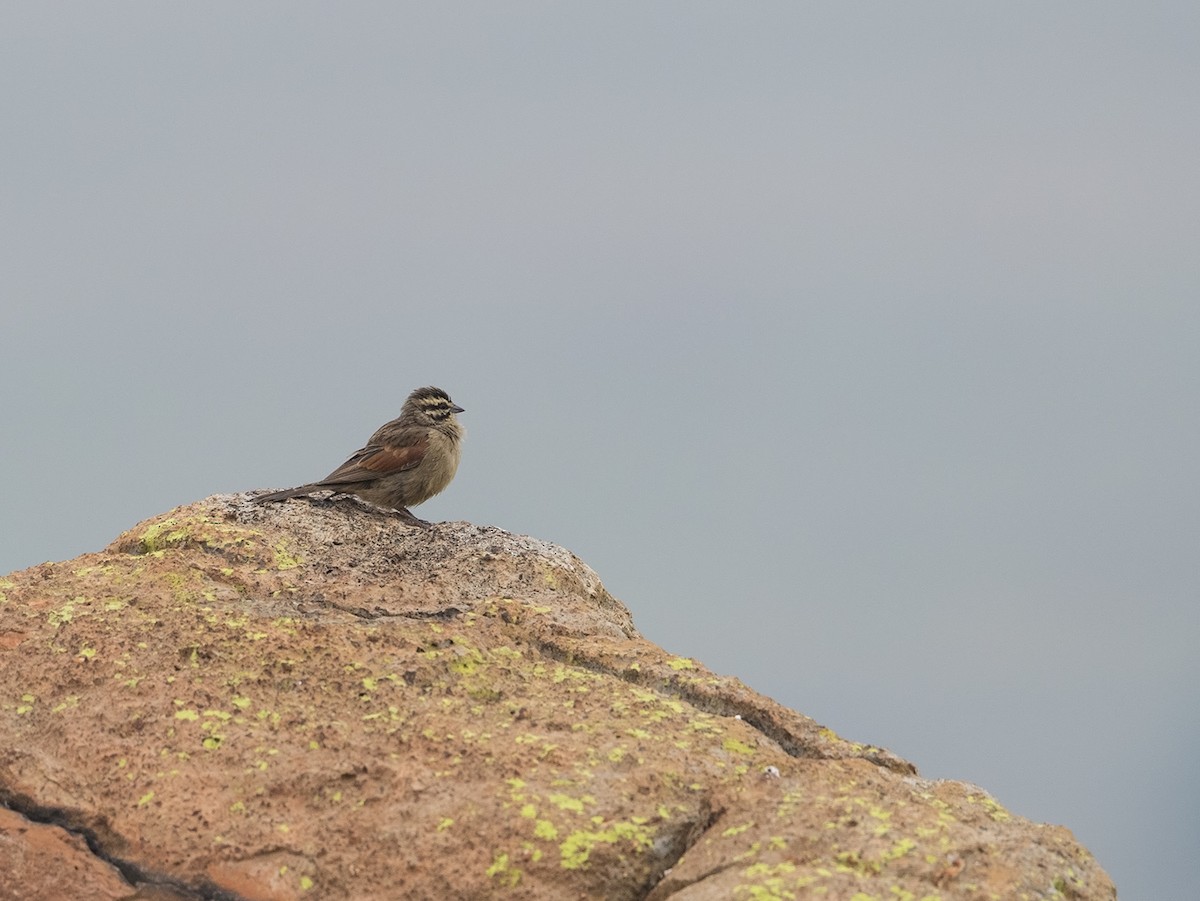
407 461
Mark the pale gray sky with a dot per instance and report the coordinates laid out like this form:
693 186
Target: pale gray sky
854 345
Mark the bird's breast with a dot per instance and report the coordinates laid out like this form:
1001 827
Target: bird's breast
439 465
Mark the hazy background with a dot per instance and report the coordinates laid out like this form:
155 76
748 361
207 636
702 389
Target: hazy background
856 346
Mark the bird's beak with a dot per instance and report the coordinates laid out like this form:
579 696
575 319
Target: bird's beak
455 408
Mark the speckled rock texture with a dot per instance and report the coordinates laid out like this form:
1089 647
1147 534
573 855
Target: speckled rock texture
316 700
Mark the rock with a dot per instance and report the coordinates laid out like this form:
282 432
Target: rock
317 700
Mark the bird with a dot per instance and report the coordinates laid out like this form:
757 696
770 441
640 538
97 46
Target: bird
406 462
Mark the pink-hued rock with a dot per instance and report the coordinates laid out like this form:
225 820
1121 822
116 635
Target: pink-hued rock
318 700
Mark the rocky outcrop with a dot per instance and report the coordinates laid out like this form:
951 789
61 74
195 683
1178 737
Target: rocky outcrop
317 700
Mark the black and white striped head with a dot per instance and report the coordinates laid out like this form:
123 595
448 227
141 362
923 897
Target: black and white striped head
430 406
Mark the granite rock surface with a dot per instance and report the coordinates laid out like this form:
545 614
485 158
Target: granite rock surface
316 700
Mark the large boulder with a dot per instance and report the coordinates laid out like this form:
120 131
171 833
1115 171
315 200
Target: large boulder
318 700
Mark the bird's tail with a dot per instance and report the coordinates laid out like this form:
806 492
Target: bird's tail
286 493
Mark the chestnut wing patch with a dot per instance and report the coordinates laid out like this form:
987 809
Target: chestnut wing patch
377 460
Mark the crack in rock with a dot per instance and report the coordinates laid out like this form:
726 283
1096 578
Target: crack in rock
698 828
751 715
442 614
136 876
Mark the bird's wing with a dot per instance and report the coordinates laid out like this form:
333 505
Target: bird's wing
377 460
